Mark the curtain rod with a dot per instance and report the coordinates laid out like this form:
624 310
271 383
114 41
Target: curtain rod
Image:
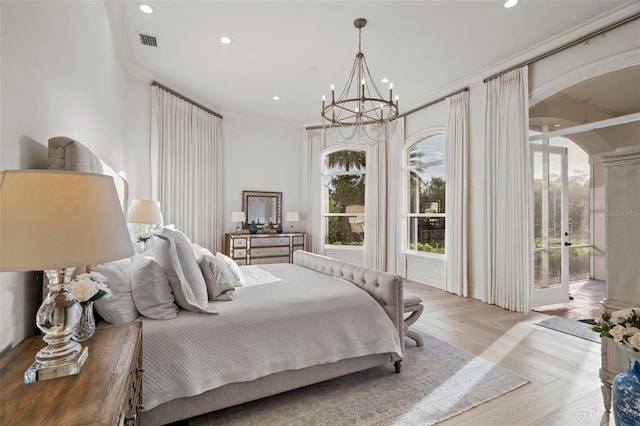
567 45
428 104
184 98
466 89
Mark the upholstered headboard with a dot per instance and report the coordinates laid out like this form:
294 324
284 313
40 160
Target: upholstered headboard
68 154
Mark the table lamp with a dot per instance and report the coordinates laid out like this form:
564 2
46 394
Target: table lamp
237 217
292 217
50 220
145 213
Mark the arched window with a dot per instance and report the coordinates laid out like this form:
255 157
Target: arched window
344 189
426 166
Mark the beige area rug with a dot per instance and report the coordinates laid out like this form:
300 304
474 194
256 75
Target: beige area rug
437 382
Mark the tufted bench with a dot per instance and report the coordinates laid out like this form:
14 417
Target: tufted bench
413 305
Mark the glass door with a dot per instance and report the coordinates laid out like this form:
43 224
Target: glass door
551 224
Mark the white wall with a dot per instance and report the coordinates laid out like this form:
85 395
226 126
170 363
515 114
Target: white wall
261 155
62 75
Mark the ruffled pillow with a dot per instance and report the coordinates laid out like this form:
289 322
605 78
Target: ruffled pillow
233 267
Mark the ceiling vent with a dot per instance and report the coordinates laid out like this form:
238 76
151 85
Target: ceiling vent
149 40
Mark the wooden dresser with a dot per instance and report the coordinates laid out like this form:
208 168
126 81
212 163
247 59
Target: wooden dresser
254 249
108 390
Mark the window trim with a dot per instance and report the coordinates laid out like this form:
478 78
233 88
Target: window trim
325 213
406 168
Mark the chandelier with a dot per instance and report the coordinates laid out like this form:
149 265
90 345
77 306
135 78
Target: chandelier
360 110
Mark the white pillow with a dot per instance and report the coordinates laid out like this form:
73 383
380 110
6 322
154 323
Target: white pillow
200 251
119 308
233 267
173 251
151 290
218 278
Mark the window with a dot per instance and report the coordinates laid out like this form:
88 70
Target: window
344 189
426 166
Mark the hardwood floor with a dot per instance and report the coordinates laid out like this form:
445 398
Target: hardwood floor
563 369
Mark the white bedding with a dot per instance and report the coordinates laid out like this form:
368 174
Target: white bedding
256 275
304 319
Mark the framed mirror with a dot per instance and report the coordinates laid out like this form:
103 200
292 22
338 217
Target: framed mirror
265 208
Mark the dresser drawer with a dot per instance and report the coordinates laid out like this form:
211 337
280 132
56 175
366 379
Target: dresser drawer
263 260
298 241
238 254
239 242
269 241
269 251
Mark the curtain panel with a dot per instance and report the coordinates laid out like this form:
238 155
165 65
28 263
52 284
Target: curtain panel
186 147
508 208
457 194
312 196
396 222
375 205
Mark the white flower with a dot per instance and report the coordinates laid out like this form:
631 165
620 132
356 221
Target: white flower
596 314
634 340
89 285
618 332
621 316
84 288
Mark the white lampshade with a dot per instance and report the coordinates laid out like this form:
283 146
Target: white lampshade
145 211
292 217
55 219
237 216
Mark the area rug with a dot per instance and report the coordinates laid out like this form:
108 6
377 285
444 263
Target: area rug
438 381
568 326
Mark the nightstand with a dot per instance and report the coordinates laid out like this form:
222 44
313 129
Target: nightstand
108 390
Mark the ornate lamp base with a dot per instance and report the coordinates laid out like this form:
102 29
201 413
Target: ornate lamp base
38 371
57 318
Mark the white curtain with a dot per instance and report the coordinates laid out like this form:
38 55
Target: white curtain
312 190
457 196
509 213
186 167
375 207
396 240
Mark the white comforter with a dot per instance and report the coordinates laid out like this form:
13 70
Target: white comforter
304 319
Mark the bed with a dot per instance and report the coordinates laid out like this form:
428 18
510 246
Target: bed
288 325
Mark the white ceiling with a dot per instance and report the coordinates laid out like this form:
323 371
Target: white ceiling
296 49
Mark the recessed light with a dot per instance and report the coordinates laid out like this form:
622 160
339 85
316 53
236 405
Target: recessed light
384 80
145 8
276 98
225 40
556 125
510 3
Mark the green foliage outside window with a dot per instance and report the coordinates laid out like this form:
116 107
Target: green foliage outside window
345 180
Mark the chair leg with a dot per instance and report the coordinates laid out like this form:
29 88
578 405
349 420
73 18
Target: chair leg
415 336
416 311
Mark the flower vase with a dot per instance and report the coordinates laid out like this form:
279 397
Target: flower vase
86 326
626 392
253 228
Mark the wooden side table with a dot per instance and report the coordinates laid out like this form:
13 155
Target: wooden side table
108 390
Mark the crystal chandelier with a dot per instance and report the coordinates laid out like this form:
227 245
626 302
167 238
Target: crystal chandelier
360 110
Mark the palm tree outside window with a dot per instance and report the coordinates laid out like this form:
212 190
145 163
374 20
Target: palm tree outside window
426 167
344 193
